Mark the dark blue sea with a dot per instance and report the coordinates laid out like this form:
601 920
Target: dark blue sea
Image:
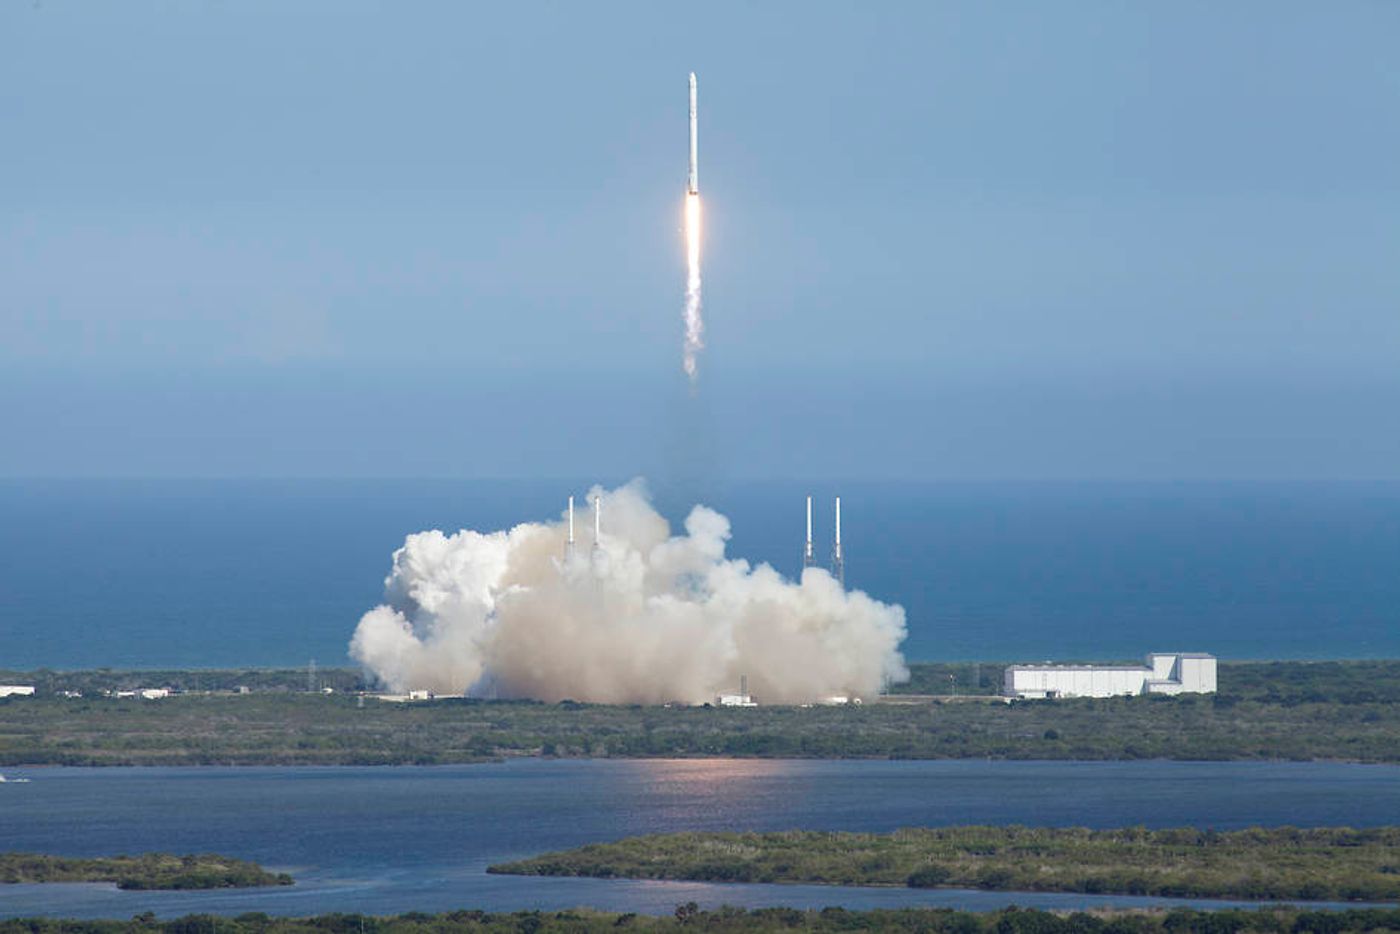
392 839
212 572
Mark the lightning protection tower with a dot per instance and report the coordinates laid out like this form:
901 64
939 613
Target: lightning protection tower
569 545
809 554
597 525
838 558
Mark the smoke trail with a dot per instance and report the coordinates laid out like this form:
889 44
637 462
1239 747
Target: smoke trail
694 323
645 617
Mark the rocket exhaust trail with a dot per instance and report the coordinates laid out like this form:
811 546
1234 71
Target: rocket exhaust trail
694 323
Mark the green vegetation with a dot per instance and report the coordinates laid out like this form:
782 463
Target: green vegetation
1291 683
1331 864
951 678
149 871
1344 682
689 917
100 680
1295 711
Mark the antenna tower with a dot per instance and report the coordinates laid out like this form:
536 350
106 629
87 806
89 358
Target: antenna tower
597 525
838 558
809 554
569 545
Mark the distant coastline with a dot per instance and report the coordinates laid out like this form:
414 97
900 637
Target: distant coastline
1007 571
1339 711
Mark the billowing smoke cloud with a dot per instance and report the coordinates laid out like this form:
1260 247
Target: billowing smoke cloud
644 617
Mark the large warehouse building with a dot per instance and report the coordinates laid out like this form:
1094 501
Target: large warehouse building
1164 673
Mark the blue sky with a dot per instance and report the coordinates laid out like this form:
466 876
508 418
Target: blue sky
944 240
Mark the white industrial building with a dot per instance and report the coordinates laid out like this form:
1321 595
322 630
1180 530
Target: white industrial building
16 690
742 699
1164 673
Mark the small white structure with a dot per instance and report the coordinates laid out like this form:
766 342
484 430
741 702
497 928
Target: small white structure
412 695
742 699
1164 673
154 693
16 690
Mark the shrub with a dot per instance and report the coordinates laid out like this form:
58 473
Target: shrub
930 876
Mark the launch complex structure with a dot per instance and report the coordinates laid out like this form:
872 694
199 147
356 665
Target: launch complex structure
809 552
597 528
838 557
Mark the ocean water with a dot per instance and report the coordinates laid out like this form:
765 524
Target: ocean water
397 839
215 573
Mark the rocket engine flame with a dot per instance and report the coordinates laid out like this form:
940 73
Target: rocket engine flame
694 322
650 617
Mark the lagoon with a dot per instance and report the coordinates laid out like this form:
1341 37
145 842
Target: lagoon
393 839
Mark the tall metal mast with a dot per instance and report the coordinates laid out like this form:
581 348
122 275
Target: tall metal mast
838 560
569 546
597 524
809 554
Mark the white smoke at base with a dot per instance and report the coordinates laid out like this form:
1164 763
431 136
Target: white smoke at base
694 323
646 618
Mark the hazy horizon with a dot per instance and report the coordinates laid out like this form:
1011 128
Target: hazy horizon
274 572
942 241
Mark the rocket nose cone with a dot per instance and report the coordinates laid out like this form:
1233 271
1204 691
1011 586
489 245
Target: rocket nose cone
692 79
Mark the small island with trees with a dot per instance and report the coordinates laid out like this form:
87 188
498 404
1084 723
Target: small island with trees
1331 864
147 871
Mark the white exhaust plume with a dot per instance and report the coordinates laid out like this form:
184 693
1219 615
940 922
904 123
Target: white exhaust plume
660 618
694 323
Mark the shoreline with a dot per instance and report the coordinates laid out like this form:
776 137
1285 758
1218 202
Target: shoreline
1274 864
1277 712
698 757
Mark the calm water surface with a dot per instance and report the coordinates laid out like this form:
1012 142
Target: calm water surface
386 840
104 573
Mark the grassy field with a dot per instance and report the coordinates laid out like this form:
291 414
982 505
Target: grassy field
725 920
1297 711
149 871
1329 864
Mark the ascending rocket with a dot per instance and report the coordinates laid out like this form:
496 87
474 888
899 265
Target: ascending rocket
692 185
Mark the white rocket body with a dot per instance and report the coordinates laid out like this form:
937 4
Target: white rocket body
692 183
